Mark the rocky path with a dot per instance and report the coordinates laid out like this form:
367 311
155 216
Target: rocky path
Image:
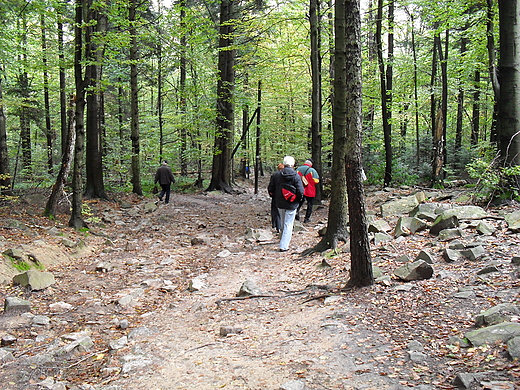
157 298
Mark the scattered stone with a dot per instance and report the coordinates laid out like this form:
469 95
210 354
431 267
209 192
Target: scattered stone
119 343
513 347
426 256
515 260
502 332
129 298
294 385
487 270
223 254
403 205
444 222
513 221
500 313
484 228
35 280
473 253
408 225
104 267
415 345
417 270
465 380
60 306
7 340
382 237
83 344
379 226
417 357
449 234
248 288
150 207
464 293
403 259
134 362
14 253
41 320
450 255
5 355
198 283
16 305
227 330
123 324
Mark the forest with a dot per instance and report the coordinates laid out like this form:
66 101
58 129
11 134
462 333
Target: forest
96 93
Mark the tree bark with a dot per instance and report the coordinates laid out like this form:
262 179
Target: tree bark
94 187
361 264
475 117
134 102
5 177
316 100
509 80
221 167
49 132
76 219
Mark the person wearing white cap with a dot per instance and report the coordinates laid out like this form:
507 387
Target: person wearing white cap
287 189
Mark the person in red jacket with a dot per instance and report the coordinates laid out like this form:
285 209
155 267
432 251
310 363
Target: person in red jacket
309 178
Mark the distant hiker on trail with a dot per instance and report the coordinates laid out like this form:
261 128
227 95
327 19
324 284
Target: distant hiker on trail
164 176
276 222
309 178
287 189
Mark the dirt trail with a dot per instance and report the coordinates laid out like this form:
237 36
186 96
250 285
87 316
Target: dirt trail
303 327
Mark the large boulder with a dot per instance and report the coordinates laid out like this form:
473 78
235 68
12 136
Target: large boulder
500 313
409 225
403 205
444 221
502 332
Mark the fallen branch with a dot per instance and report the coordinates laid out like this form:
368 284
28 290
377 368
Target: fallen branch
245 297
316 298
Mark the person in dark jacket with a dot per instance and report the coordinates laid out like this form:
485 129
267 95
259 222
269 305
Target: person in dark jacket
276 223
164 176
287 190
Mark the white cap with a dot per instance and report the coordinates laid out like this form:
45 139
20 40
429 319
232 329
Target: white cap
288 161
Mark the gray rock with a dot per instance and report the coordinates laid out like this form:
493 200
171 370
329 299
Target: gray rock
513 347
198 283
500 313
379 226
7 339
502 332
134 362
417 357
35 280
426 256
123 324
248 288
227 330
444 222
104 267
473 253
450 255
487 270
515 260
465 380
484 228
408 225
466 212
5 355
403 205
129 298
15 253
403 259
82 344
449 234
513 220
415 345
382 237
16 305
417 270
41 320
294 385
119 343
150 207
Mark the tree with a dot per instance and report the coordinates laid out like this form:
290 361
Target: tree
361 265
76 219
5 177
134 99
221 167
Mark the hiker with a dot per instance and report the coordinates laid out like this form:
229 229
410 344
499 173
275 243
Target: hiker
286 187
276 223
164 176
309 178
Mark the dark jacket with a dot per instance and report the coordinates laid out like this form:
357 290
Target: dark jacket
291 178
164 175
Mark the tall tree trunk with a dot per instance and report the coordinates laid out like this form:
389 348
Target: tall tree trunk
66 159
475 117
361 264
337 229
160 106
182 89
460 98
63 94
94 187
386 93
221 167
49 132
5 177
415 91
258 154
23 85
134 102
76 219
509 80
316 101
492 65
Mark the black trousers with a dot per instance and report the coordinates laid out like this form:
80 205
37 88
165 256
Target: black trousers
308 212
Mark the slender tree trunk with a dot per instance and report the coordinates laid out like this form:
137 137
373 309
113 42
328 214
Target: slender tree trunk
386 96
415 92
338 215
134 122
94 187
316 100
63 94
66 159
492 66
182 91
258 154
23 84
221 167
460 99
509 80
361 264
5 177
475 117
49 132
76 219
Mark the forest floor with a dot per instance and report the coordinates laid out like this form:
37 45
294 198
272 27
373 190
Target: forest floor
301 329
